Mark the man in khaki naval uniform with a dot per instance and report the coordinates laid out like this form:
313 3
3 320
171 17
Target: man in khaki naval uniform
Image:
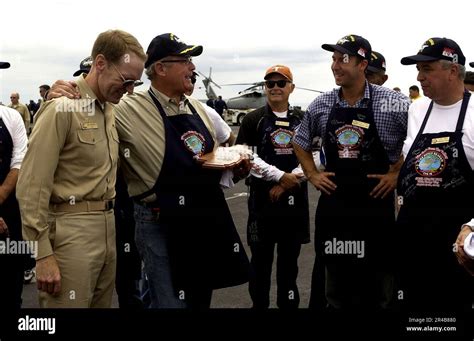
21 108
67 183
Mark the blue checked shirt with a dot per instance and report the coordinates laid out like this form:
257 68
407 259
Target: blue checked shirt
390 115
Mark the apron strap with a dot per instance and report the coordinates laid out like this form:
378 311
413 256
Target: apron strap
462 114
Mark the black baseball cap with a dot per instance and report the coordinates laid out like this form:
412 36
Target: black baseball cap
84 66
4 65
377 62
353 45
436 49
168 44
469 78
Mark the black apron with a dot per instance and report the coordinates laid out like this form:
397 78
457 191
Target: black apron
11 265
204 247
9 210
353 149
288 218
434 187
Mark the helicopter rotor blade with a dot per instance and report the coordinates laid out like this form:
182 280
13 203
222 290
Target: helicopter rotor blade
209 79
239 84
307 89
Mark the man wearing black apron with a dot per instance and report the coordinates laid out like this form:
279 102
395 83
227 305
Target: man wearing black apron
278 204
435 182
13 143
184 230
363 127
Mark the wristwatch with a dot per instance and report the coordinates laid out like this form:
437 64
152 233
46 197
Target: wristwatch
470 224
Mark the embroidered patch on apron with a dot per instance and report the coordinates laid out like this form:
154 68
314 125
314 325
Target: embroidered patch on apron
281 139
429 164
194 142
349 138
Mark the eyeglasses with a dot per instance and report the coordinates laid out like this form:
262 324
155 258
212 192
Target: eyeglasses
127 82
186 61
280 83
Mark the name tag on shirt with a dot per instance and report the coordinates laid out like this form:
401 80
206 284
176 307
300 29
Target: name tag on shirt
282 123
89 125
440 140
360 124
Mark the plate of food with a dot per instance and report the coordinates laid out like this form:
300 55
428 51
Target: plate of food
225 157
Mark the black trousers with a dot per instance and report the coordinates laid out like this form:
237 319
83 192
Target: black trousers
128 260
12 265
11 284
287 272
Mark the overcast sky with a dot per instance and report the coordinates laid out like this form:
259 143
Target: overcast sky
45 40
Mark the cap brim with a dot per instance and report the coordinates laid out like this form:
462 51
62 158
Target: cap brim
193 51
4 65
471 64
374 69
78 72
334 47
417 58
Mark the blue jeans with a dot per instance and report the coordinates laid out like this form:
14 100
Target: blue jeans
151 239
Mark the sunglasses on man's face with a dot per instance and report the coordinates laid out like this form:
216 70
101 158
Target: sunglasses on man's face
127 82
185 61
281 83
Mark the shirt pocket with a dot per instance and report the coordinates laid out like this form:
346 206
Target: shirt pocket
88 136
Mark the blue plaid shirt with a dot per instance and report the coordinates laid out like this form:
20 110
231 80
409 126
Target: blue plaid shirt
390 116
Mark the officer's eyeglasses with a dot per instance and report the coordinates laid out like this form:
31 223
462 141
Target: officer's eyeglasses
280 83
127 82
188 60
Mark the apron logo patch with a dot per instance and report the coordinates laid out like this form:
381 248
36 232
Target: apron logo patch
349 138
430 163
281 139
194 142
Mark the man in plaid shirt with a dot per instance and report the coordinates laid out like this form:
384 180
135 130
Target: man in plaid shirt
362 127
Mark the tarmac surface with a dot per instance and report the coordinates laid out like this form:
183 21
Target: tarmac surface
238 297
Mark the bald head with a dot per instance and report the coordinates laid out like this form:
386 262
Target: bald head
14 97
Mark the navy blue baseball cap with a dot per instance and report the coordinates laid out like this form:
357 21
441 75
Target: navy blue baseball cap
84 66
351 44
377 62
437 49
169 44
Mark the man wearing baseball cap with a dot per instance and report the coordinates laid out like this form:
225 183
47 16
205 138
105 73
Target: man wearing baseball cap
278 203
13 142
362 127
376 69
191 249
435 180
184 231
